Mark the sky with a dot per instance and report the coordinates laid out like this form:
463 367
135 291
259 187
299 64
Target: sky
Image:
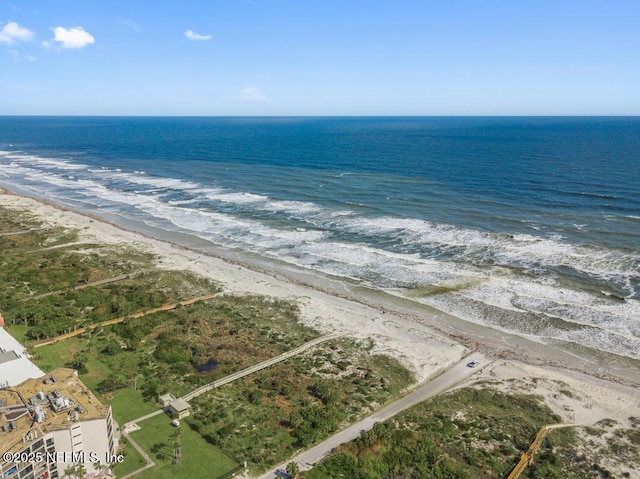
320 57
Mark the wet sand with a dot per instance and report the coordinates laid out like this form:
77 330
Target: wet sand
426 340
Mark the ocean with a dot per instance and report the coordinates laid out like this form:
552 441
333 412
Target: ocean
525 225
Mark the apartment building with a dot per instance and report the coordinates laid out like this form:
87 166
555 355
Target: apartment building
54 423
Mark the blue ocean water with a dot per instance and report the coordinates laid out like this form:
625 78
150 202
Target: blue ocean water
527 225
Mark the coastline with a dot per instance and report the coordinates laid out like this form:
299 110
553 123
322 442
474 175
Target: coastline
422 338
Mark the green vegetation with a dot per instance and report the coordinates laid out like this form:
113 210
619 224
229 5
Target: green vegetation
49 275
65 311
199 458
610 443
128 404
470 433
132 460
266 417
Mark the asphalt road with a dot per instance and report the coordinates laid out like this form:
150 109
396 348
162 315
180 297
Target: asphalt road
454 375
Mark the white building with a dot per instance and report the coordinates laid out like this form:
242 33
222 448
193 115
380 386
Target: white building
56 423
15 366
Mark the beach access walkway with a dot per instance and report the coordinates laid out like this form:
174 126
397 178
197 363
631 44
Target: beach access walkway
527 457
259 366
166 307
450 378
114 279
133 425
240 374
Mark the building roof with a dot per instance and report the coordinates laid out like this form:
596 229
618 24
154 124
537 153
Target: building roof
179 405
15 366
6 356
36 406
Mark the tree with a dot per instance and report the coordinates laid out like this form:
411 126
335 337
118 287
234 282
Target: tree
70 472
293 469
112 347
177 445
79 361
76 471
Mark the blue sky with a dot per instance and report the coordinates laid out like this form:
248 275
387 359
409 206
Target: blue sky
306 57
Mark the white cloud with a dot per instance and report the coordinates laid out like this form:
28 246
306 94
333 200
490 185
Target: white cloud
12 32
191 35
74 37
251 93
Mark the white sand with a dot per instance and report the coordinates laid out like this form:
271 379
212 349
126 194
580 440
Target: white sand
577 398
422 349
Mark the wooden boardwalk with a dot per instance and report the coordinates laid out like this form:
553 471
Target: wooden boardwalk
245 372
257 367
527 457
166 307
86 285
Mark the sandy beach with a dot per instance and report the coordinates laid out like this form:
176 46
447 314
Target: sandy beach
424 340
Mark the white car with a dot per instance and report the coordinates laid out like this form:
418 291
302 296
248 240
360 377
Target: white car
473 364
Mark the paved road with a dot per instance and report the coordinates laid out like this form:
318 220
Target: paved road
454 375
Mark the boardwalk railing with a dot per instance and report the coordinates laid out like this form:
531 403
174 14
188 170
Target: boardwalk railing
257 367
166 307
527 457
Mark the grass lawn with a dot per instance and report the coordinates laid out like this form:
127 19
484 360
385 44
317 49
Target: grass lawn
97 371
18 331
132 462
128 404
57 355
200 459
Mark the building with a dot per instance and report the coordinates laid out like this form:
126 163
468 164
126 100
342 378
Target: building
179 408
166 399
15 366
54 422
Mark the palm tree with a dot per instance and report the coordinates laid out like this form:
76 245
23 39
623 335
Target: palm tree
81 471
101 468
293 469
177 445
70 472
76 471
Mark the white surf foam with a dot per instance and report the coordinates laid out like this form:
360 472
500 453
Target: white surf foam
479 265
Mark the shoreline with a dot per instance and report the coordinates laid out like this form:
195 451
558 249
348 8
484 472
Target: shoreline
387 307
424 339
426 342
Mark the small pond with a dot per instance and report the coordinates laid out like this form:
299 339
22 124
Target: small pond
206 367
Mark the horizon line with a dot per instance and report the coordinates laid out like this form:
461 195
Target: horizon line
19 115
